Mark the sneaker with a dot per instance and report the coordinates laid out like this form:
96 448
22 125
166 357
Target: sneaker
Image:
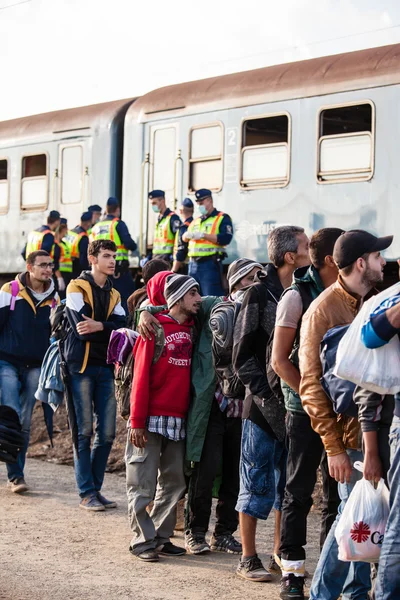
252 569
292 587
91 503
106 503
18 486
169 549
225 543
146 556
195 543
273 566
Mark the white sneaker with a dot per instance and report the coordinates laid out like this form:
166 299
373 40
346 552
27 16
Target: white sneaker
18 486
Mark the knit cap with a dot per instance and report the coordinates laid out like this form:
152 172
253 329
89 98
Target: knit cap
176 287
239 269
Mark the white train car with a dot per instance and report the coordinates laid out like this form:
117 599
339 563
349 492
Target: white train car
64 160
312 143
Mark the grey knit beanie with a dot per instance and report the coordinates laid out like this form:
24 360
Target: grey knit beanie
176 286
239 269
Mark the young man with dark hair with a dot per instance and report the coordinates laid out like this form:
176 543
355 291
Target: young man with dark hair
159 404
357 255
263 450
305 449
93 310
24 338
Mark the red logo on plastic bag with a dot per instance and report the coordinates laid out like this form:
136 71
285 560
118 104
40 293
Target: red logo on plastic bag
360 532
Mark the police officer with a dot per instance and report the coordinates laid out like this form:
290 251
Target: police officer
208 235
78 240
181 248
112 228
96 211
166 228
43 238
65 254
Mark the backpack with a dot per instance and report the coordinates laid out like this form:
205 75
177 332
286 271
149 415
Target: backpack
338 390
124 372
222 324
274 381
58 322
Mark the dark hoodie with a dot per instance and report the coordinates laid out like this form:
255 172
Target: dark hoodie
85 297
25 331
254 325
163 388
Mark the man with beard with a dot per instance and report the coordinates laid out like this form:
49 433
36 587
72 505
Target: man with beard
357 255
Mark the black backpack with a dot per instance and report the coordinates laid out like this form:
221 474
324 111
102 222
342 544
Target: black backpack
58 321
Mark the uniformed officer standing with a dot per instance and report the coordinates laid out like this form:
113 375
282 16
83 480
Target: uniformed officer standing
65 254
208 235
112 228
78 240
166 228
96 211
181 248
42 238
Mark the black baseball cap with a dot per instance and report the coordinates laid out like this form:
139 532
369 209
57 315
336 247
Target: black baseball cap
351 245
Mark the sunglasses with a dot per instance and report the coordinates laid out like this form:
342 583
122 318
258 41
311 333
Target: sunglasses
45 265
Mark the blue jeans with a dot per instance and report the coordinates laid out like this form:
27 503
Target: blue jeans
93 396
332 576
388 581
18 386
208 275
262 463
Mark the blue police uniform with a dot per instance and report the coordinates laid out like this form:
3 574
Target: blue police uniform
207 269
47 245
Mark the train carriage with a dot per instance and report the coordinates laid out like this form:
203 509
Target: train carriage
64 160
312 143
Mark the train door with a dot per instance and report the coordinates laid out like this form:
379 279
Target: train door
73 191
165 170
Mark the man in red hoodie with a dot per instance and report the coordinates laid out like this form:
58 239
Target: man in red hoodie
159 405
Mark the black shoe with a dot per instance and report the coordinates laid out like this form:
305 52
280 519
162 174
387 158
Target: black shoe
292 588
252 569
146 556
169 549
273 566
225 543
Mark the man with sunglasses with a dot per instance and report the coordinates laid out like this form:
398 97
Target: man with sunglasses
25 306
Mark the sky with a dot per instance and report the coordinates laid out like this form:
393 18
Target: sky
64 53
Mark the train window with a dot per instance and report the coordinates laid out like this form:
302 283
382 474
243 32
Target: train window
71 174
3 186
34 184
206 165
266 151
346 143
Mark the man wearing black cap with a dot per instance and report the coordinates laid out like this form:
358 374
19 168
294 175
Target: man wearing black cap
168 224
181 248
78 240
42 238
358 257
96 211
112 228
208 235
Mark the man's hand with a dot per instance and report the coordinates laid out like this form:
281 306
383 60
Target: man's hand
373 470
340 467
89 326
187 236
146 325
138 437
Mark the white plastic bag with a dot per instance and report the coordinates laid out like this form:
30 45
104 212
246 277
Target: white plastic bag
360 530
376 370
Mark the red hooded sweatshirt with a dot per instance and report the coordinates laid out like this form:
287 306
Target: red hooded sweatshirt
162 389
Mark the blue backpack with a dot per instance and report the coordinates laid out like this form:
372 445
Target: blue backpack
338 390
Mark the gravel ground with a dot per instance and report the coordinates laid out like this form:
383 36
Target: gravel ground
52 550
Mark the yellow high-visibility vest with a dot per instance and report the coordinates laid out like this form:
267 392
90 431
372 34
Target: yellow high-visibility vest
204 247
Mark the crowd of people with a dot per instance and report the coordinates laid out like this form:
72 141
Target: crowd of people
225 397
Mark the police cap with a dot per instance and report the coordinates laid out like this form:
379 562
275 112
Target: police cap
156 194
203 194
86 216
187 203
54 214
112 201
95 208
63 221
